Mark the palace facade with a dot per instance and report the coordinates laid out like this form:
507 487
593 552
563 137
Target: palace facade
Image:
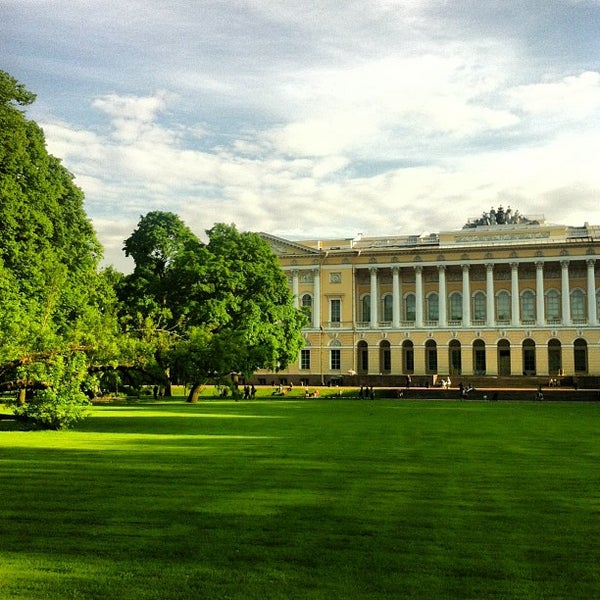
504 296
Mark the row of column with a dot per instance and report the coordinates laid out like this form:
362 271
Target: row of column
466 295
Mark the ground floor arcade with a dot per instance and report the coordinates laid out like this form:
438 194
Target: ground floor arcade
333 356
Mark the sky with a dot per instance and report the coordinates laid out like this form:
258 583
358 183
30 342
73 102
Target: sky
316 119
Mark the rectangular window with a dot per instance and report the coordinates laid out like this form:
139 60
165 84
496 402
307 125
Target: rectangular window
335 307
305 359
336 359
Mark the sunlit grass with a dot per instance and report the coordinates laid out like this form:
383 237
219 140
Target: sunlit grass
305 499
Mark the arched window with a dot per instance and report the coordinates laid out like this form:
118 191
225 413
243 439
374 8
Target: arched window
431 356
553 305
385 357
307 306
410 307
455 357
580 356
408 357
479 363
433 307
577 306
479 307
528 306
554 357
504 357
456 306
362 356
388 307
528 357
503 306
365 308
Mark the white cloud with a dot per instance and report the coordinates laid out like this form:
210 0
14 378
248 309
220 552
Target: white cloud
573 97
384 116
300 184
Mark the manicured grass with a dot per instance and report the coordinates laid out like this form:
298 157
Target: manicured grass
305 499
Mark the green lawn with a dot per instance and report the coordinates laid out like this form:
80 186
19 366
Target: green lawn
305 499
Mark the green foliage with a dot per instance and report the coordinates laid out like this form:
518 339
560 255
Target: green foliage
52 298
62 403
208 310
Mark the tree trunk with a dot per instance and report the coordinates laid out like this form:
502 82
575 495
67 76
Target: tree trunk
22 397
194 393
168 389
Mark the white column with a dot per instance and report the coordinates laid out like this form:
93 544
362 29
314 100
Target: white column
396 297
489 295
316 307
295 288
565 292
419 296
374 298
591 292
443 322
539 293
514 291
466 298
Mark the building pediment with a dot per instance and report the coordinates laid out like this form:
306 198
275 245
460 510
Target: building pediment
283 247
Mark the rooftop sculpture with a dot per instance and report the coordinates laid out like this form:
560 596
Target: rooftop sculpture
500 217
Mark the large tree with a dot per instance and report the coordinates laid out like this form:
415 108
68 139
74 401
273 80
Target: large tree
213 309
56 312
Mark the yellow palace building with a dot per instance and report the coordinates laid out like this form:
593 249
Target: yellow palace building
504 296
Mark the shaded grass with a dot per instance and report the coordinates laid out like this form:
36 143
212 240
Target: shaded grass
305 499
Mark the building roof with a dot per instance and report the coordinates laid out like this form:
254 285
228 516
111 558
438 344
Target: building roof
513 229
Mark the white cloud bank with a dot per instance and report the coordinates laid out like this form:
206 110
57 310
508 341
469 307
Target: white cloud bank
306 177
385 117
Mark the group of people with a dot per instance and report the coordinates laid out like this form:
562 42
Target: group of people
249 392
366 392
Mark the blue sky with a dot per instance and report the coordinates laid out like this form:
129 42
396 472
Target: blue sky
315 119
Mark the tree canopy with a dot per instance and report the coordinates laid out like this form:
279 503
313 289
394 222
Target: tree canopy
56 308
218 308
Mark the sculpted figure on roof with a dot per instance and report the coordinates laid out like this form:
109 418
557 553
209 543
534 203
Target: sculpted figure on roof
499 216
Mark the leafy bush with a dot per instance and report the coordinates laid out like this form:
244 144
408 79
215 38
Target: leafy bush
62 403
